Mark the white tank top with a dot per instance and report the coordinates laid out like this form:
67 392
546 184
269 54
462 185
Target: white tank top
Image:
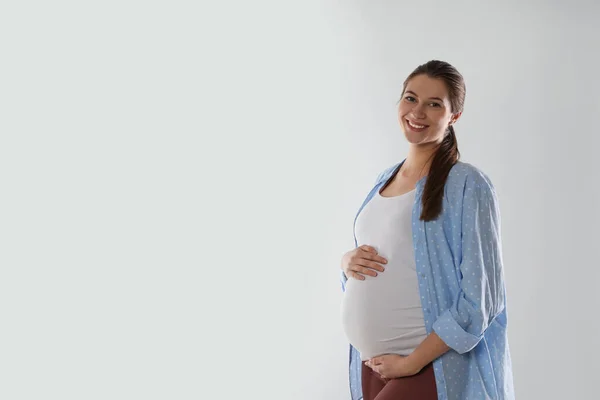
383 314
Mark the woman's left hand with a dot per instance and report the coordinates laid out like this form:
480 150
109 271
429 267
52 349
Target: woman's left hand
391 366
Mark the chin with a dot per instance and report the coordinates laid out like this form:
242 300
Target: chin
413 138
419 139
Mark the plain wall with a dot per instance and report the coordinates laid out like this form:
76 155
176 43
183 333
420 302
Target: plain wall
179 182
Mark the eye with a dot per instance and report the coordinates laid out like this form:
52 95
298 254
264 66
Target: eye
409 98
435 105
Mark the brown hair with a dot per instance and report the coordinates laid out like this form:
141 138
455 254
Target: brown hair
447 153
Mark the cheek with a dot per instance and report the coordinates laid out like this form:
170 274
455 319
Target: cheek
441 119
402 111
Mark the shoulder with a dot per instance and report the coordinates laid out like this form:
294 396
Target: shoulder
464 175
472 188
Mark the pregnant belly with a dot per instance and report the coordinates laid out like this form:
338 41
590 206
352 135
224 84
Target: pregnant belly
378 319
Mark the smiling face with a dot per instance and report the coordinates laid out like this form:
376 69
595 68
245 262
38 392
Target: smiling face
425 111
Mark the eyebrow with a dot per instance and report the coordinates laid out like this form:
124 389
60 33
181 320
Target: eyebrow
431 98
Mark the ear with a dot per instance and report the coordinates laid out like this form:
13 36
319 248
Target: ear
455 118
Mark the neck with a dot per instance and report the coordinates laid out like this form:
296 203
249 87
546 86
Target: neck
418 160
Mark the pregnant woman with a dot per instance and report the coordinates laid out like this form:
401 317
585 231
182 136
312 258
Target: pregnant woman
424 305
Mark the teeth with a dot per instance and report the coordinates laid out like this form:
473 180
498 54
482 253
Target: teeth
416 126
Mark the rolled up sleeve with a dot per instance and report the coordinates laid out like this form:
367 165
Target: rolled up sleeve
480 297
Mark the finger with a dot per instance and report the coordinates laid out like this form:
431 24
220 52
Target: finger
364 257
370 264
356 276
363 270
368 248
367 268
373 257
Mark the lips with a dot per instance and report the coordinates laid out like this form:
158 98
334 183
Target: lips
416 127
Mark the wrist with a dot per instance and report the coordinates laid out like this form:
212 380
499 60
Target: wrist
415 364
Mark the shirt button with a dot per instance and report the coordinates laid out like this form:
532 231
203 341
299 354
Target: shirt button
422 275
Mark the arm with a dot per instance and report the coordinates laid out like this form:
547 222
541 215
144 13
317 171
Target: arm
429 349
343 277
395 366
481 293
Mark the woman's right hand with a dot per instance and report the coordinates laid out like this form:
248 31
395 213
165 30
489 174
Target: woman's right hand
361 261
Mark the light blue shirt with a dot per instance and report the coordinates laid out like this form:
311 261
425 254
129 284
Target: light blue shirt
461 284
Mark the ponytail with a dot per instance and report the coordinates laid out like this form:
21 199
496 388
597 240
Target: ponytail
444 159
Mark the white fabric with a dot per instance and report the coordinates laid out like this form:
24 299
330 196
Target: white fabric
383 314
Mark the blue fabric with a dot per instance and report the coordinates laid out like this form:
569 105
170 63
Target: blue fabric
461 283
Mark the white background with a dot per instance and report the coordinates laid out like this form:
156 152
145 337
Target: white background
179 181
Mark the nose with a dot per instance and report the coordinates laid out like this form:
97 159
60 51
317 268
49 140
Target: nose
418 112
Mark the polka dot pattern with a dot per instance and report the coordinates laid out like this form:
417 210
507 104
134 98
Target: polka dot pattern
461 283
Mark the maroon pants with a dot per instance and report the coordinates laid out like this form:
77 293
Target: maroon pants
417 387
